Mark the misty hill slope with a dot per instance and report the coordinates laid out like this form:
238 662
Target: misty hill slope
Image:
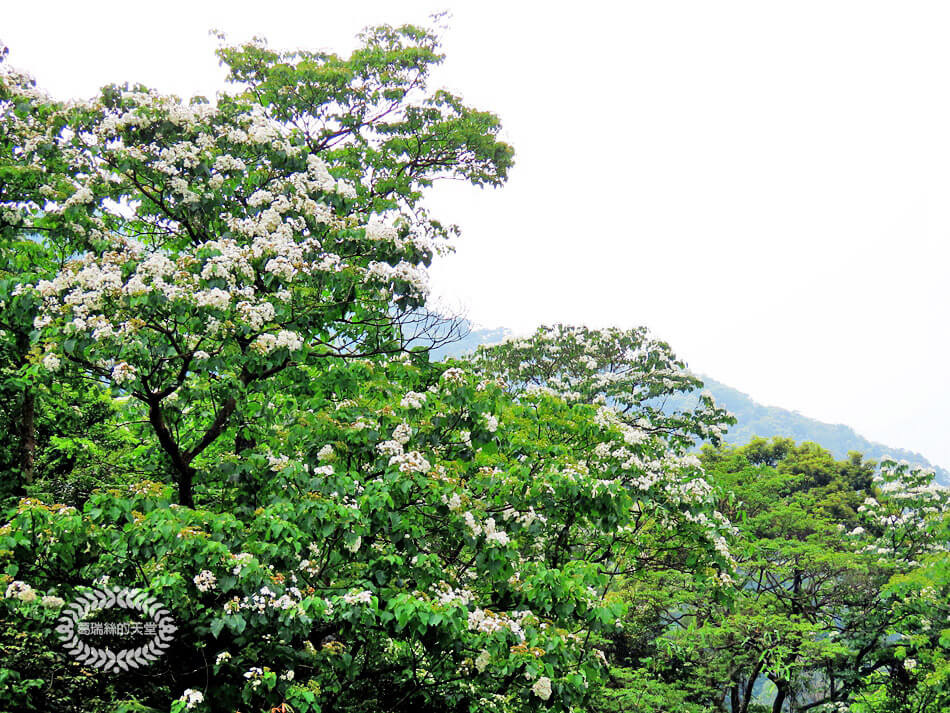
753 419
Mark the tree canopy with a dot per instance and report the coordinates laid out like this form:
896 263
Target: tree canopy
219 402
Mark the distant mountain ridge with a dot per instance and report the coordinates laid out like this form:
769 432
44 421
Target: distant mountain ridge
753 419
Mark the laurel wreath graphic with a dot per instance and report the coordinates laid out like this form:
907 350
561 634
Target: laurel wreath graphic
106 659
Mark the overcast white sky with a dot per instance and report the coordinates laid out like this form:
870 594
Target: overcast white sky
767 186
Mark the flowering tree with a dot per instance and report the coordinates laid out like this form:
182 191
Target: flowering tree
906 529
21 260
334 527
634 373
209 248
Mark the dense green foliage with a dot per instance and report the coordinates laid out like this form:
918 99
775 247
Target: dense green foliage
218 389
830 560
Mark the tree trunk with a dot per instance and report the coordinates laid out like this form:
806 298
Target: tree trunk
780 698
186 478
750 687
184 473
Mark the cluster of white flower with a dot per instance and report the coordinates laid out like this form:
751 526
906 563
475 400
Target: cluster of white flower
723 579
192 698
721 547
402 433
358 597
242 559
255 675
482 660
447 596
123 372
488 622
22 591
453 502
391 449
82 196
325 453
310 567
413 400
411 462
205 580
226 163
453 375
25 593
691 491
379 231
51 362
277 463
321 179
494 536
266 343
472 524
362 424
265 599
216 298
524 518
542 688
416 277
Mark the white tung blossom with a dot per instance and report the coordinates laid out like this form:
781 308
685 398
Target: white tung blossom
266 343
51 362
255 675
205 580
389 448
454 503
123 372
402 433
489 622
542 688
411 462
22 591
453 375
354 598
278 463
413 400
192 698
494 536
